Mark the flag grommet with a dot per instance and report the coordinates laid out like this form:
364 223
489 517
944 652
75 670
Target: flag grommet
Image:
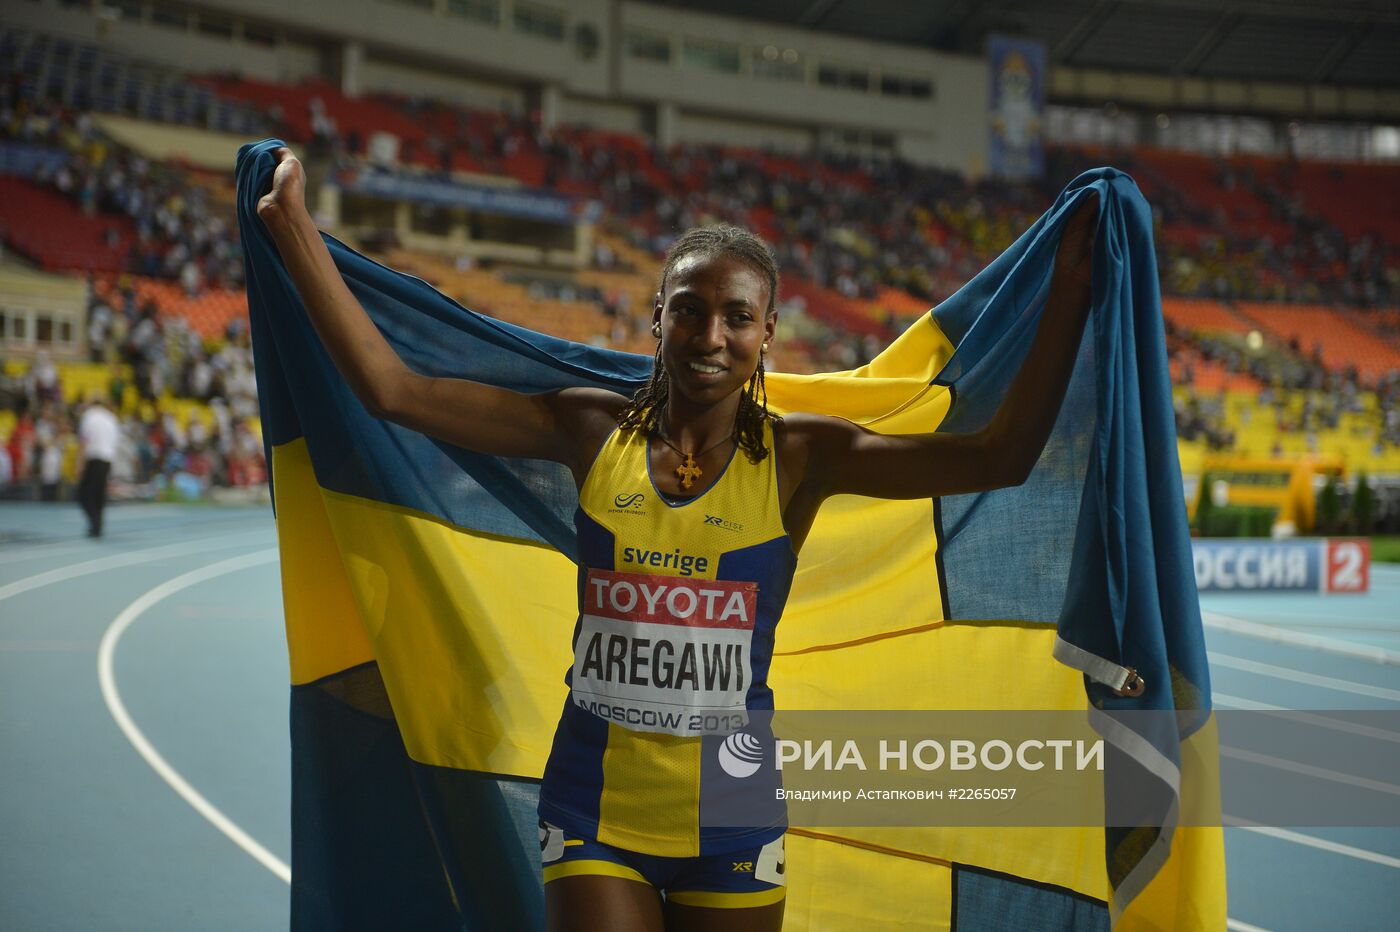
1133 686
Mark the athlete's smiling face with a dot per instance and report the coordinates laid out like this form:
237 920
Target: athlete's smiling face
714 322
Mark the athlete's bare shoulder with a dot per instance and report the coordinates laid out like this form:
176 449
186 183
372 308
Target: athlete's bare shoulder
802 431
803 439
588 401
588 416
806 426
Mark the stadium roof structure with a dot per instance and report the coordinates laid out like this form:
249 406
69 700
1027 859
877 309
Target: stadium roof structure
1340 42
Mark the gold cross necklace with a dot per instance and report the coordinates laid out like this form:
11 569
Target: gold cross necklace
688 471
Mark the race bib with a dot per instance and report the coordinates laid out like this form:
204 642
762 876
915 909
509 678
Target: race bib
665 654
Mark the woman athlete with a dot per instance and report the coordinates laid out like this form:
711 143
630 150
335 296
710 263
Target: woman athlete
619 853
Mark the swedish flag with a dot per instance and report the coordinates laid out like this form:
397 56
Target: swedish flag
429 595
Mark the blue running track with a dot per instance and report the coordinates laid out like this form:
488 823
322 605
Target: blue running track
144 769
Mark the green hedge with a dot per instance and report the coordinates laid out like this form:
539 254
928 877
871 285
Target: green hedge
1239 521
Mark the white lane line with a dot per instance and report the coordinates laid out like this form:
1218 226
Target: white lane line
23 553
1234 925
1299 676
130 558
108 683
38 551
1322 618
1311 841
1311 718
1254 629
1322 773
1225 700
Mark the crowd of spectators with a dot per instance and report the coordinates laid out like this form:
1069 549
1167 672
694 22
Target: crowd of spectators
821 213
1305 412
1314 263
827 228
1284 374
944 228
1286 366
151 359
1388 401
162 351
179 233
823 222
817 210
1203 417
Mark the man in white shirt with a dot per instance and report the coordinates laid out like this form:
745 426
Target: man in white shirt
97 431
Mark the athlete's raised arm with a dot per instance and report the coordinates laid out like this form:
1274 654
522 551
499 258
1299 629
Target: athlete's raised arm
565 426
830 456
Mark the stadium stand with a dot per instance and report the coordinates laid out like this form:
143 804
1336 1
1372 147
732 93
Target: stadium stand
1210 316
1216 186
1339 343
208 313
87 76
482 290
1346 196
1234 235
56 233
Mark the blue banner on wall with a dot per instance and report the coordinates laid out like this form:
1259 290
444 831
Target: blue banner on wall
30 161
1017 107
525 203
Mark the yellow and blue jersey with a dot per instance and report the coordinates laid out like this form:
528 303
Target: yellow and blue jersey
678 602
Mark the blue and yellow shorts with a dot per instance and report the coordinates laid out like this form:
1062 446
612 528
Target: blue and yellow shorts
735 880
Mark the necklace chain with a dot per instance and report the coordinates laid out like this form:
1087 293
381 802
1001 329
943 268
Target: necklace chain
662 437
689 470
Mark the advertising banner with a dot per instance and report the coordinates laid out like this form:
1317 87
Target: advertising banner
1017 107
525 203
1317 565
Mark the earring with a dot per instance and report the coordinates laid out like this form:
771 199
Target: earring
764 349
656 330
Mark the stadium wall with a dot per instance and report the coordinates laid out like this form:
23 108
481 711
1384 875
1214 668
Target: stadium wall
617 117
959 85
1223 95
583 57
446 42
379 74
696 127
289 59
422 46
41 312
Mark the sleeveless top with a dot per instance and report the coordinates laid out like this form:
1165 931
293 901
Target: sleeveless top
677 607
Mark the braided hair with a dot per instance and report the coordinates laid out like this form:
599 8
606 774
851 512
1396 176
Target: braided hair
643 411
